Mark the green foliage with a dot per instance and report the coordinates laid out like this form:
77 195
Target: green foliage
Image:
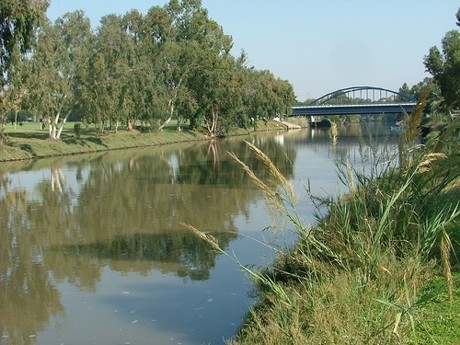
18 21
172 63
57 69
445 67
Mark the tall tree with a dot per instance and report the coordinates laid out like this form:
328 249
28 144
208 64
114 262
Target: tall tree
174 62
146 87
13 98
181 52
205 50
445 67
108 90
18 22
59 68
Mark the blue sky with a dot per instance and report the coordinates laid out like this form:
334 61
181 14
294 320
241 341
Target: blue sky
318 45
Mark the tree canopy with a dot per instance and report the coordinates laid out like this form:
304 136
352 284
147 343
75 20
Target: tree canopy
444 65
174 62
18 22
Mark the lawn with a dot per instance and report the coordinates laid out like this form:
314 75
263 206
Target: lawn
30 141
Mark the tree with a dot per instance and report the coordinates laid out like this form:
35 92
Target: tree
59 68
204 67
18 22
445 67
174 62
190 50
108 90
141 79
14 92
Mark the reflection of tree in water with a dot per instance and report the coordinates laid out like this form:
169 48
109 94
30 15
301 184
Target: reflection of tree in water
28 299
124 210
178 252
27 302
211 164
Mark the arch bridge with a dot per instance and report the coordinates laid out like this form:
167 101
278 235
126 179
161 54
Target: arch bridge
358 100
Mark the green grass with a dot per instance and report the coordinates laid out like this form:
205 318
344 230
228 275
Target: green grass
30 142
441 319
380 267
368 273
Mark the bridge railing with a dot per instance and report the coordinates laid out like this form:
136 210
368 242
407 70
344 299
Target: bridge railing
354 109
357 105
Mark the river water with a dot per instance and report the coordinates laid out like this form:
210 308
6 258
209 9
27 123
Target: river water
93 250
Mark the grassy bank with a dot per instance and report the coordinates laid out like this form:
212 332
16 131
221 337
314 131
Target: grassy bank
381 264
29 141
380 267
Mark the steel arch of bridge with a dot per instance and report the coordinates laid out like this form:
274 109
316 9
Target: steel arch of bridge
403 98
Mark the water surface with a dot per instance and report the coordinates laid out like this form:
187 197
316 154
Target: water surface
93 250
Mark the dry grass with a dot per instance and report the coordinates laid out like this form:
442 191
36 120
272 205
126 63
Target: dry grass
275 198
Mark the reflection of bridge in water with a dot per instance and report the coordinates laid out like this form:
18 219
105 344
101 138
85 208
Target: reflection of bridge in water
374 143
358 100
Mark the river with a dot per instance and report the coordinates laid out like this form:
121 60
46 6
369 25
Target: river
93 250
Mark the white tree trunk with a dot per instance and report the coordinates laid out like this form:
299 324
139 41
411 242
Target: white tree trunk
64 120
54 130
51 127
212 127
171 112
175 91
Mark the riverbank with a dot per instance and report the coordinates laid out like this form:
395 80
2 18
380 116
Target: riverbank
380 267
28 141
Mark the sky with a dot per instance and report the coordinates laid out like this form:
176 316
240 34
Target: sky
319 46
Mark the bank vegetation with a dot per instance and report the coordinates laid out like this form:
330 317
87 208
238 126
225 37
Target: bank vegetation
380 266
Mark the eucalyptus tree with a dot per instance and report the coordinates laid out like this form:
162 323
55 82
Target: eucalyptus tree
285 97
59 69
266 96
146 81
204 49
172 56
125 84
234 108
174 68
106 85
445 67
210 92
16 90
18 24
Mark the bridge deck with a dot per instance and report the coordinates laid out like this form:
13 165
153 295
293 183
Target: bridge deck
353 109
